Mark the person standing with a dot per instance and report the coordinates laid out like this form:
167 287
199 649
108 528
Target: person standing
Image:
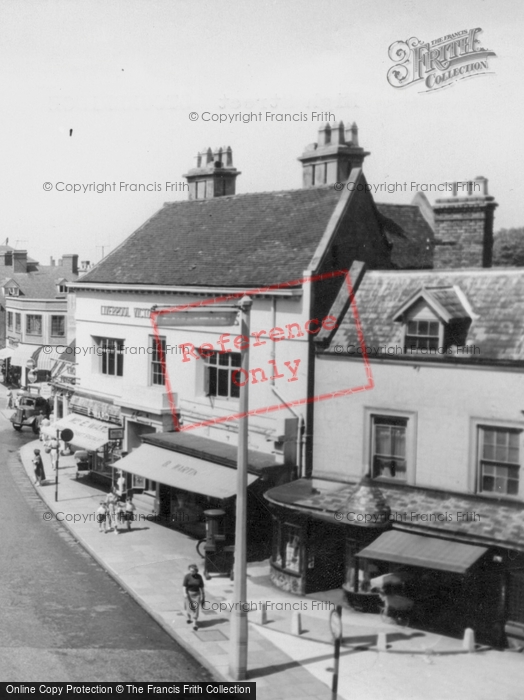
9 397
101 516
111 501
39 468
121 487
193 587
54 453
130 512
119 515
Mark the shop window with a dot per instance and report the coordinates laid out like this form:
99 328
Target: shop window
112 355
221 378
388 456
58 326
158 350
286 547
499 461
33 324
18 322
516 596
9 320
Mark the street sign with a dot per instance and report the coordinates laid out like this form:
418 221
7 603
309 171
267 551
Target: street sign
335 623
67 435
115 433
30 363
32 376
198 316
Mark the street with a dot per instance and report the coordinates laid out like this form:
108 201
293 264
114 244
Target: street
62 617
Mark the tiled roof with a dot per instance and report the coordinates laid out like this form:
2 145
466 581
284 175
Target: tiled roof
449 299
496 297
40 284
432 512
245 240
412 237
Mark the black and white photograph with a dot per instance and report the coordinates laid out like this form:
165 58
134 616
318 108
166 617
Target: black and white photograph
262 349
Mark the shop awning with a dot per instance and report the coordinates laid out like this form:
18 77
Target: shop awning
427 552
89 433
46 360
182 471
23 353
6 352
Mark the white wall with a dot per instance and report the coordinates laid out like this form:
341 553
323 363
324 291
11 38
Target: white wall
445 404
186 377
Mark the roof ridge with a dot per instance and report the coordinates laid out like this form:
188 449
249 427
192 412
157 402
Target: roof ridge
249 194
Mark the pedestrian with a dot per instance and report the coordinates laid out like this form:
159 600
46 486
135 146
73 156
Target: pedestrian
39 468
40 417
121 487
111 501
101 516
9 396
130 512
119 515
193 586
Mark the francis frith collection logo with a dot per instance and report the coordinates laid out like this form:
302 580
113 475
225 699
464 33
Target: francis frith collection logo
439 63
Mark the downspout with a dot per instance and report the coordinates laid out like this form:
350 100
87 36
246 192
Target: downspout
300 418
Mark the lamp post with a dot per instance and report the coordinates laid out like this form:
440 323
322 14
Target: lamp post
224 316
238 622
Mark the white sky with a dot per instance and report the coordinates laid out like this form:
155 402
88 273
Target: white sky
124 75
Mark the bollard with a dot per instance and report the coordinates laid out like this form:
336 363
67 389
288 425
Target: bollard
261 614
296 623
468 643
382 641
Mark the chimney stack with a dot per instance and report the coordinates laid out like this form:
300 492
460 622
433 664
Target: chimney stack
464 226
332 158
214 175
71 263
19 260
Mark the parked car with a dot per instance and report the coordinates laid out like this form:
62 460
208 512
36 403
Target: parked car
29 406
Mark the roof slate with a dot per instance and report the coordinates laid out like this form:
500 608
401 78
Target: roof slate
245 240
496 297
40 284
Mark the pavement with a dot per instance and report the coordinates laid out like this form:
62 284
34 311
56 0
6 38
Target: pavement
378 660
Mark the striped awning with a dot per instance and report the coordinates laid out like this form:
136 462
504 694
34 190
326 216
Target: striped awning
427 552
46 356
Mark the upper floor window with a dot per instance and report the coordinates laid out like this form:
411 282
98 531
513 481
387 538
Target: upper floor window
10 320
18 322
388 453
220 376
499 460
157 371
33 324
12 291
58 326
112 352
422 335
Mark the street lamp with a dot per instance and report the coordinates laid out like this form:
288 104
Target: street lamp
238 621
225 315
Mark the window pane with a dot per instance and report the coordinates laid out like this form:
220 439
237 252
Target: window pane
223 382
382 440
412 327
224 359
212 381
235 389
423 327
433 328
399 442
235 359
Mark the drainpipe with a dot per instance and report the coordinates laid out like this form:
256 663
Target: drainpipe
301 422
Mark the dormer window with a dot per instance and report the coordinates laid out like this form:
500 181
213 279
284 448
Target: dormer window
61 286
12 291
434 319
422 335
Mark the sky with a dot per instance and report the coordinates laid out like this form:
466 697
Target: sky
100 91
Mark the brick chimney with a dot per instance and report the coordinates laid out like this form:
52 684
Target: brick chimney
332 158
70 263
214 175
19 260
464 226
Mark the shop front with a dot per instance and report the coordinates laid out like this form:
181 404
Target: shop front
192 474
314 540
459 558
